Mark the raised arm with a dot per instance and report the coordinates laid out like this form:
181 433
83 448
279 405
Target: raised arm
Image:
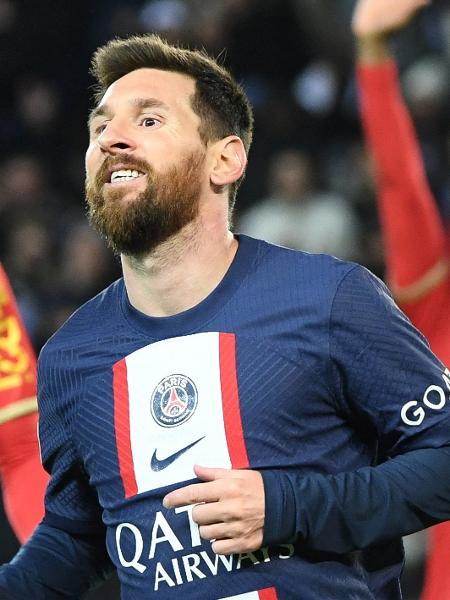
407 208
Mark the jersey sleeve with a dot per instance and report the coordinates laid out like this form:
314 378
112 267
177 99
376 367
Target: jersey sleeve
66 555
55 565
386 379
408 211
70 501
393 390
22 476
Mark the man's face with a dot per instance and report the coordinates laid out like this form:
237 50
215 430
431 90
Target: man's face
145 165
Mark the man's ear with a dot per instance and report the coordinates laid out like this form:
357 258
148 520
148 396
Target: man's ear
229 161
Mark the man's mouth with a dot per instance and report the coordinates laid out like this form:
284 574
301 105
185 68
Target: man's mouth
124 175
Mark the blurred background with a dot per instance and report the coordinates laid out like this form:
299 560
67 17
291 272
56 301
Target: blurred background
309 183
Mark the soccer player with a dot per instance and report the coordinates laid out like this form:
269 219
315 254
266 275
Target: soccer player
239 420
22 477
417 245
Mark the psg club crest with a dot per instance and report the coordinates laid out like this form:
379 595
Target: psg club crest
174 400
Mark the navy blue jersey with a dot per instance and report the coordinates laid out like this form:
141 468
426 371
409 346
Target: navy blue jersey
297 365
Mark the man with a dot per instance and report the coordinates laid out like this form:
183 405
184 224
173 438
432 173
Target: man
22 477
417 245
240 420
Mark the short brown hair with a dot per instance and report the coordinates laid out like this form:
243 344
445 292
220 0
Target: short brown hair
219 100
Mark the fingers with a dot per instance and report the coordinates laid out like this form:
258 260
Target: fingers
225 511
223 547
210 474
228 538
229 507
233 530
218 531
193 494
233 546
218 483
206 514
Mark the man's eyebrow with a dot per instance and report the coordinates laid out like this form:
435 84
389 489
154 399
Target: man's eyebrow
97 111
138 103
144 103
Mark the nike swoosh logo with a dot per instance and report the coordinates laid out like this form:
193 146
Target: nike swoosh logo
159 465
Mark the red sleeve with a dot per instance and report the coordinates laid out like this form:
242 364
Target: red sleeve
415 239
22 476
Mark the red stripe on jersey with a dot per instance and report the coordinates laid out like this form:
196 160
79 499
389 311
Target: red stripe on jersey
122 428
230 402
268 594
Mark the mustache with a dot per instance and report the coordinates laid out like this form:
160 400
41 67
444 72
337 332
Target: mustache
103 175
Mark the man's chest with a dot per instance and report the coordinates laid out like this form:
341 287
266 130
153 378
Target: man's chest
213 399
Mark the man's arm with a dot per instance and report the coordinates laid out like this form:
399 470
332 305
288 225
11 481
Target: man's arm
355 510
386 381
67 554
328 513
22 476
391 387
55 564
407 207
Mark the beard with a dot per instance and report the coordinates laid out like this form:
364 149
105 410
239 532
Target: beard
169 202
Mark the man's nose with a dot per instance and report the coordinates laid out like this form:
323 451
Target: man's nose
115 139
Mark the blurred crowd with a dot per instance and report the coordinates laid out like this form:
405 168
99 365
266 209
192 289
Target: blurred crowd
309 184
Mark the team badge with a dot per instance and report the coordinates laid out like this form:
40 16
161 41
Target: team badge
174 400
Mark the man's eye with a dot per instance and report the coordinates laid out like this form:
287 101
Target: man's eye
98 130
149 122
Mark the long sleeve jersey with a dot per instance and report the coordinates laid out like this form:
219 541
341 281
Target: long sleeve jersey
23 478
297 365
416 243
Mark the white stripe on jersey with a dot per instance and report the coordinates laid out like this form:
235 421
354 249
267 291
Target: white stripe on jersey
197 358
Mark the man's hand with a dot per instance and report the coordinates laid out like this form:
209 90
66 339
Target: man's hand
230 508
374 18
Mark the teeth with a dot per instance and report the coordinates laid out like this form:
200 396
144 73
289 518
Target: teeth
125 175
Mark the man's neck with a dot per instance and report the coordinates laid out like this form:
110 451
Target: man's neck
181 272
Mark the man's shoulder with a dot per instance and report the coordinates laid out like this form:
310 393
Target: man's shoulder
89 321
287 281
310 268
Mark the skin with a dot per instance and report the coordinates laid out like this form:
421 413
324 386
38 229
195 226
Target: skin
199 256
374 20
230 503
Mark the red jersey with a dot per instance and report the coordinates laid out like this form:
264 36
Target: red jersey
22 476
416 243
